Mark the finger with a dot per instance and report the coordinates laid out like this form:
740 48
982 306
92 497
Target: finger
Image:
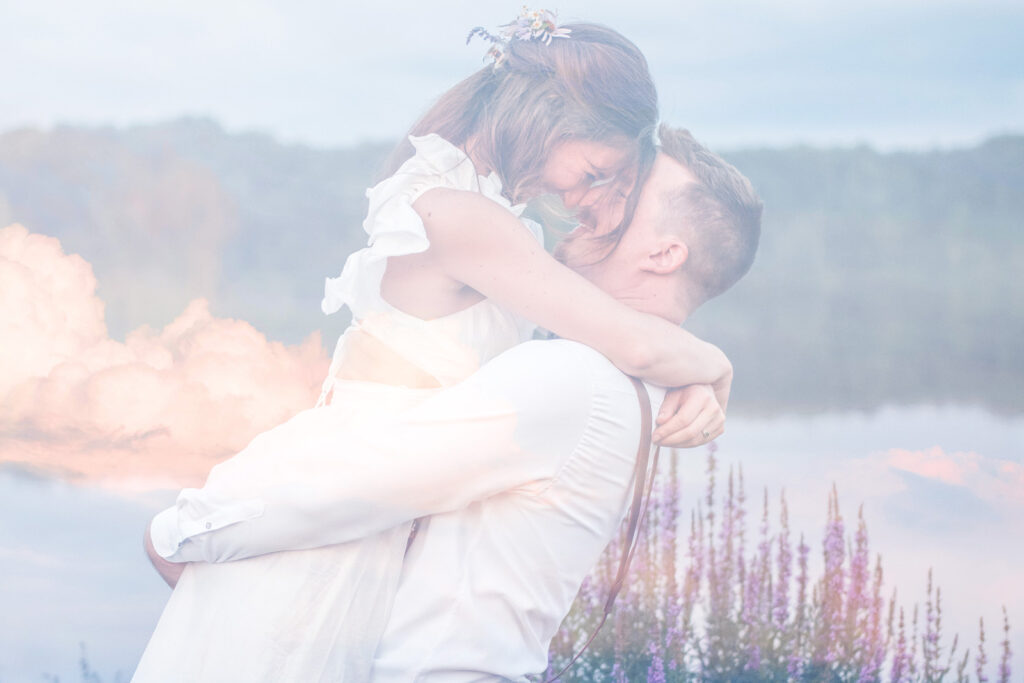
691 433
714 426
683 416
669 407
722 391
684 428
714 430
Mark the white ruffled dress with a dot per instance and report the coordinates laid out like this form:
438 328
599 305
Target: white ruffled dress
317 615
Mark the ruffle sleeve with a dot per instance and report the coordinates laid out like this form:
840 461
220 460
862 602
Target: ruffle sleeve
393 226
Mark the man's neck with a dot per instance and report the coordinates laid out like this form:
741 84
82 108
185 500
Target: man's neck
675 309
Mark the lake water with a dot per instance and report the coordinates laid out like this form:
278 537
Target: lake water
940 488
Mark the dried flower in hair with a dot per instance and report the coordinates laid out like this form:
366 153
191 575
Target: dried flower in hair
539 25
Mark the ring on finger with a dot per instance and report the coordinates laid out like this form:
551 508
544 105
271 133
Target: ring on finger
706 434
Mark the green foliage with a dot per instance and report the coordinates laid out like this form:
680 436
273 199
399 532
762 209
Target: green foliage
881 278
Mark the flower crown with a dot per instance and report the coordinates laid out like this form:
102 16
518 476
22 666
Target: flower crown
538 24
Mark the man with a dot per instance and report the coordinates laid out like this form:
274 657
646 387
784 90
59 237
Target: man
524 470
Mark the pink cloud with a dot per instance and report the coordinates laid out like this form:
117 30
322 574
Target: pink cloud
163 406
935 463
989 478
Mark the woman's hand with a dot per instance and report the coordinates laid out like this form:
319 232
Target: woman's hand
690 416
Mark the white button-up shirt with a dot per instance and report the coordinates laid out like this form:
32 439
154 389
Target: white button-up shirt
525 470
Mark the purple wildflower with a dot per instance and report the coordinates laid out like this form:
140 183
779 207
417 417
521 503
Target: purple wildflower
901 658
981 660
832 598
857 607
1004 664
912 664
795 667
761 607
753 658
740 524
673 600
780 604
691 583
832 630
875 647
803 551
656 670
723 577
932 629
961 669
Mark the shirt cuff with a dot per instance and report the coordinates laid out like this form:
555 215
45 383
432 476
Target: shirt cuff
165 534
184 531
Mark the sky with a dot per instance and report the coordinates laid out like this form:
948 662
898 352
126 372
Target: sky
131 417
896 74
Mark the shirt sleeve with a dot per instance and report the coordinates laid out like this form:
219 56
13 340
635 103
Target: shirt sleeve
513 424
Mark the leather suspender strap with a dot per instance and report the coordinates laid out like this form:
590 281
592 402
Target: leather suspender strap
643 481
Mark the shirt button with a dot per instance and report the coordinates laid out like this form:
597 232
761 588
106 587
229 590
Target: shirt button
209 525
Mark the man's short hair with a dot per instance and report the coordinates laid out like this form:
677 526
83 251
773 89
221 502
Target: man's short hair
719 216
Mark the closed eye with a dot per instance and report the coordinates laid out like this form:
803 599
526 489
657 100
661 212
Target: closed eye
602 181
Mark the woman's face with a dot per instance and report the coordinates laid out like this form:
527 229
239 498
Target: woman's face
587 173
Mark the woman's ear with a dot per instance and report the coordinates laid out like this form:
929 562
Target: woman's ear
668 256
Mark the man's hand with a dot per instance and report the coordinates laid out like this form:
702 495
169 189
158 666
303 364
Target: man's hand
170 571
690 416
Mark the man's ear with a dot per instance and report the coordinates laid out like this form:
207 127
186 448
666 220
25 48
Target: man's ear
669 255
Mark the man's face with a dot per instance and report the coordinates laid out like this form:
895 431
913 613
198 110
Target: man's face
623 270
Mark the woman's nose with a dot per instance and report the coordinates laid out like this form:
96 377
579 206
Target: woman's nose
572 198
592 196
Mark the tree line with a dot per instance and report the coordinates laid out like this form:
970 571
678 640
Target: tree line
882 278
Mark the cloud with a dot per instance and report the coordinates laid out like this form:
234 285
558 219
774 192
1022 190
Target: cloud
990 479
152 221
159 408
934 463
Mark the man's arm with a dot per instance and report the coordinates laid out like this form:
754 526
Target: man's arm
512 423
